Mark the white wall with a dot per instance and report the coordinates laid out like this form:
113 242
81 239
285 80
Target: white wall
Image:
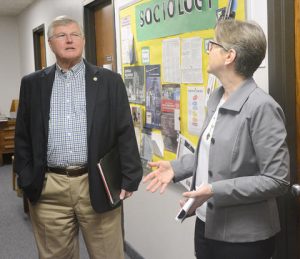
43 12
16 43
10 63
257 11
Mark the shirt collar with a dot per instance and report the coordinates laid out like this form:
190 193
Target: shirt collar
75 69
237 99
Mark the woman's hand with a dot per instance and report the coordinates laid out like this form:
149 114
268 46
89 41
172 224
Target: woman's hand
159 178
201 195
125 194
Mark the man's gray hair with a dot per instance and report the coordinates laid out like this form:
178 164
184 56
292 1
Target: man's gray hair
62 20
247 39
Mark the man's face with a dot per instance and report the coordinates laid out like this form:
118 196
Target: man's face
67 43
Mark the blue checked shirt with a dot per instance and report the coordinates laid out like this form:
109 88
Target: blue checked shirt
67 141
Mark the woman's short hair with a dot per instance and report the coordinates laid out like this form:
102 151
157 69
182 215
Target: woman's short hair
247 39
61 21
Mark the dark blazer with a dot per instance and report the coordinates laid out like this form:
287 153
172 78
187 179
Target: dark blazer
109 123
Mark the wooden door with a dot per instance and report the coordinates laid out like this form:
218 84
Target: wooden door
105 36
39 47
42 50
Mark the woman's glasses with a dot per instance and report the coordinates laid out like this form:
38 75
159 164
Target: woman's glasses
211 43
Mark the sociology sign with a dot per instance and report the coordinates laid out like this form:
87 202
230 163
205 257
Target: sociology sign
161 18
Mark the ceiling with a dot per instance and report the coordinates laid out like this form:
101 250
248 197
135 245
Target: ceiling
13 7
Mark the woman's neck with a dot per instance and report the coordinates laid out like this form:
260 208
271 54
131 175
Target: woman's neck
231 83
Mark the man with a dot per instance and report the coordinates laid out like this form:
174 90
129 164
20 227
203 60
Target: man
70 115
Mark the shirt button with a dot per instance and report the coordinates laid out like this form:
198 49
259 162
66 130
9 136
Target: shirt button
213 140
210 205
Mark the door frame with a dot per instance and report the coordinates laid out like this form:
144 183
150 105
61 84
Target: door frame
89 28
282 86
37 46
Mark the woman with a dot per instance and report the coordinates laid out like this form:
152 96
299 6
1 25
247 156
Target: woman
242 161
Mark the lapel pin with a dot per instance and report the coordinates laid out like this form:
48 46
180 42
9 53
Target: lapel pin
95 79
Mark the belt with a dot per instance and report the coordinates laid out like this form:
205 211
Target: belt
71 172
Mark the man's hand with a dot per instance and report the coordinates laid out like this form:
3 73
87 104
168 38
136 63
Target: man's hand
159 178
124 194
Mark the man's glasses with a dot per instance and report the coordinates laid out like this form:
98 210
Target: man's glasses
64 36
211 43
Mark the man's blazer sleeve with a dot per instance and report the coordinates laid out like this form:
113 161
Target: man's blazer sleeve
23 150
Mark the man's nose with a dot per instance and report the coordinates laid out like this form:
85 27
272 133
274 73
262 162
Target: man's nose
69 38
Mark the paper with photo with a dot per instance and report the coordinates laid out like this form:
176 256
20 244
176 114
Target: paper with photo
170 101
153 96
137 116
134 80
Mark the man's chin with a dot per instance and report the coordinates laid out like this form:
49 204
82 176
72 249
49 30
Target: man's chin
71 58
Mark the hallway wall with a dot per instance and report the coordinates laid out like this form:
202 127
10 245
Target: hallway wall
10 62
16 43
43 12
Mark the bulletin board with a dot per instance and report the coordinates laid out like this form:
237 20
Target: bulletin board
164 67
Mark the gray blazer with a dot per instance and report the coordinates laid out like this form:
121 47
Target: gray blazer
248 165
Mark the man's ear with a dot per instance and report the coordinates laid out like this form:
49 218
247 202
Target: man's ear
230 56
50 45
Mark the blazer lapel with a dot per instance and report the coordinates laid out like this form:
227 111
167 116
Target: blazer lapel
47 80
92 79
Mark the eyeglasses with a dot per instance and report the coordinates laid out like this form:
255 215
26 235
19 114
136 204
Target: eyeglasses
64 36
211 43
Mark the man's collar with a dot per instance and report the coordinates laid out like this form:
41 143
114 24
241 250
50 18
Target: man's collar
75 69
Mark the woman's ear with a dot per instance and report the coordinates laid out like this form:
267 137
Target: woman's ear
230 56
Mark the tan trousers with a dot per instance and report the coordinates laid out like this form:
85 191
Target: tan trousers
65 206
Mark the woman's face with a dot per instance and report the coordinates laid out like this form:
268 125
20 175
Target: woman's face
216 57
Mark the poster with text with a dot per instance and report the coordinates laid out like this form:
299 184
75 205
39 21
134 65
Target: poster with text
137 116
169 104
153 96
134 80
196 109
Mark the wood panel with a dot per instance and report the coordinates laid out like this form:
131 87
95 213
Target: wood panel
7 136
297 60
39 47
297 66
105 36
42 50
